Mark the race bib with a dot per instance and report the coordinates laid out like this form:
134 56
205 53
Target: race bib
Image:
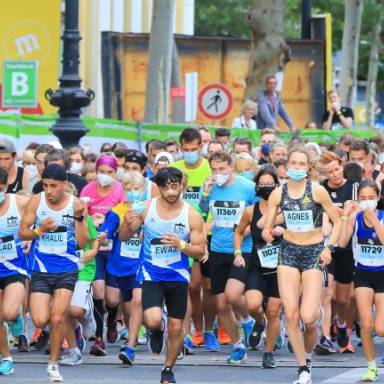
8 249
227 214
54 242
269 256
370 255
131 248
299 221
163 255
192 195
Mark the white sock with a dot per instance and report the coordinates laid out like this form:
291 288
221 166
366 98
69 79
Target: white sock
9 358
308 356
343 325
239 344
53 363
372 364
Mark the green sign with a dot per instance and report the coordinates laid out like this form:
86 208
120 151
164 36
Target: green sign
19 84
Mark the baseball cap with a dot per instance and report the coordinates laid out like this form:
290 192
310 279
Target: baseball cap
136 157
7 145
164 155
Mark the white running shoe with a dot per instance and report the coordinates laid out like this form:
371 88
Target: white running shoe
73 358
304 378
54 373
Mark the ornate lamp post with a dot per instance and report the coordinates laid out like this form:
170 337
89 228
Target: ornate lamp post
70 98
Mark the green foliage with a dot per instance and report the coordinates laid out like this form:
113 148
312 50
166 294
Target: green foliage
226 17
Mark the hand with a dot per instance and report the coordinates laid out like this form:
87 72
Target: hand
26 247
78 207
239 261
171 240
278 231
371 217
88 256
325 257
205 258
98 219
102 238
130 216
208 183
48 225
336 107
350 206
267 235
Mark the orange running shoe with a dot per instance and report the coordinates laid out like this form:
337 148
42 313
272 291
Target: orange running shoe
223 336
35 336
348 349
198 339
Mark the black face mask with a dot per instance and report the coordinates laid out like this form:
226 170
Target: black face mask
264 192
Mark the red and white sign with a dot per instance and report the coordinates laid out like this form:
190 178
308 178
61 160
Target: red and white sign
215 101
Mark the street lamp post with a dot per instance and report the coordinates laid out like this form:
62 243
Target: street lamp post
70 98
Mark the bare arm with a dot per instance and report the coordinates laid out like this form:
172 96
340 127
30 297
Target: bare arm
273 205
348 223
81 227
328 123
244 223
197 240
28 219
155 192
131 223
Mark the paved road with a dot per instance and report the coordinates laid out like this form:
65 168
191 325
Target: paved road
201 368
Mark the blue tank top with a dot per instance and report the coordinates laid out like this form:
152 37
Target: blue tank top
303 214
55 252
12 259
367 248
161 262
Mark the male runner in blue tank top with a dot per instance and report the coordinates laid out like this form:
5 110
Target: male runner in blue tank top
54 220
173 231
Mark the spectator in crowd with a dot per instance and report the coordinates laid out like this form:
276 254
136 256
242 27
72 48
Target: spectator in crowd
241 144
337 117
270 107
245 120
223 136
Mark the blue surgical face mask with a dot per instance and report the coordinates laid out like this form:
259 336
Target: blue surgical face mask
247 174
2 197
138 207
265 149
133 196
191 157
296 174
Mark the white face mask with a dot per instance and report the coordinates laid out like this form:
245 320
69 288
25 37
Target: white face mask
120 173
31 168
221 179
368 204
76 168
104 179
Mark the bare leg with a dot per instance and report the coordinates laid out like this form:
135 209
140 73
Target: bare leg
175 340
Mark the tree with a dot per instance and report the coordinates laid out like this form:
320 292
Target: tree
160 62
353 10
269 51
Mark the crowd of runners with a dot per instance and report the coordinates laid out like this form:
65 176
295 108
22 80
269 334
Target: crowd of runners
196 243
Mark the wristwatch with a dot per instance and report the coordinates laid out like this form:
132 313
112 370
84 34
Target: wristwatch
78 218
331 247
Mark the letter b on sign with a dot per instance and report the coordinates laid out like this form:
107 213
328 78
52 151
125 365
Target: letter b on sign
19 84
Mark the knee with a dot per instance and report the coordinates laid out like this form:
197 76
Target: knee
39 321
309 319
222 305
343 300
76 312
195 288
10 314
154 322
366 324
379 329
175 328
57 319
136 303
291 318
272 315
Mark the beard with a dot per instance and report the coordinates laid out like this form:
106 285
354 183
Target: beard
171 199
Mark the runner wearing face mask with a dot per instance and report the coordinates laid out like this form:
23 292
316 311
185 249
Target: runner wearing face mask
364 223
102 195
226 196
303 255
261 277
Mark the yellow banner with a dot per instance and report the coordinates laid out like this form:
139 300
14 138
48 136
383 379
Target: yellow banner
30 30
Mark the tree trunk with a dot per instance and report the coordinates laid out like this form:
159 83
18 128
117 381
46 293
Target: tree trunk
373 64
269 51
353 10
160 62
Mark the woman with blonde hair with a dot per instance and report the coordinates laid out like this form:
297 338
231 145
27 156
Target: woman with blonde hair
245 120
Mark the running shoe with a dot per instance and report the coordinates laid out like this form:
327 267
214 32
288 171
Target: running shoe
370 374
73 358
198 339
54 375
280 340
325 347
188 345
167 376
80 340
42 341
211 343
348 349
142 337
98 348
16 327
155 341
223 336
112 333
237 356
23 344
342 337
6 367
127 355
89 324
268 360
35 336
256 334
304 377
248 330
